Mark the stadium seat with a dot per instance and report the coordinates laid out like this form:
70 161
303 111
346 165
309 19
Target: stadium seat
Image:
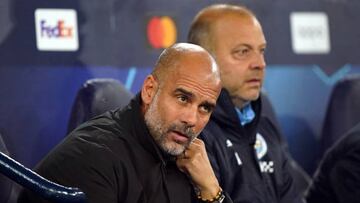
5 183
267 109
45 189
301 178
95 97
343 111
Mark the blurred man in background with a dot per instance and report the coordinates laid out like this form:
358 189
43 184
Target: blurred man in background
337 180
245 148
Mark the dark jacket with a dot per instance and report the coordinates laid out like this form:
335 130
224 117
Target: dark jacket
113 158
337 180
260 175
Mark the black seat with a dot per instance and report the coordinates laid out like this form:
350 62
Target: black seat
95 97
343 111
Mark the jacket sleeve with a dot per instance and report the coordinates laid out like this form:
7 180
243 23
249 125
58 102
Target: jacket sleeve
214 152
227 198
209 145
289 191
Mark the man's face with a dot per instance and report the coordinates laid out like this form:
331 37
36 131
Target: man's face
239 46
181 106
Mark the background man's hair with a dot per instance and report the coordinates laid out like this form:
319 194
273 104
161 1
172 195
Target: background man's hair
200 32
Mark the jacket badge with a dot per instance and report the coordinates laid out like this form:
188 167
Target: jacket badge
261 150
260 146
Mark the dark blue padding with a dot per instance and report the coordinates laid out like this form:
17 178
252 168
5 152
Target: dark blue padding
95 97
5 183
343 111
39 185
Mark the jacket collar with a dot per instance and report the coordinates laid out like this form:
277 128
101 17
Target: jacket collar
225 115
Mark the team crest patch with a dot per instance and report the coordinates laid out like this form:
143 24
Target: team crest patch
260 146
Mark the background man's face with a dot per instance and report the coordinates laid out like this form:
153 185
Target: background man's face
239 51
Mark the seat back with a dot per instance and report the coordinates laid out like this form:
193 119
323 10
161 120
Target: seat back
343 111
95 97
5 183
37 184
267 109
301 178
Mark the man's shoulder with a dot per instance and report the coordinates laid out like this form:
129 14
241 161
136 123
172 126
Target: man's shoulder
93 140
101 137
270 131
213 133
109 125
348 147
351 139
89 144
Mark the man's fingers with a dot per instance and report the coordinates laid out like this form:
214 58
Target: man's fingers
182 164
183 155
198 141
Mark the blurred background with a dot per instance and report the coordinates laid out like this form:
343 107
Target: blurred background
48 49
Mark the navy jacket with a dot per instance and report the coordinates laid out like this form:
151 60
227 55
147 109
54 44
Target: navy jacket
337 180
249 161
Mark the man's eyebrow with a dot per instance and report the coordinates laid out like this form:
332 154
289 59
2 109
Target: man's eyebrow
190 95
209 104
185 92
249 46
243 45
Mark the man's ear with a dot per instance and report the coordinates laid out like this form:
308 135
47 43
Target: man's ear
149 89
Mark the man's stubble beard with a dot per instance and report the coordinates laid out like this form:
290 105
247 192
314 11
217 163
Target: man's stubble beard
159 130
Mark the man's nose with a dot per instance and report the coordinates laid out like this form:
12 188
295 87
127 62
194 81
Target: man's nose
258 61
190 117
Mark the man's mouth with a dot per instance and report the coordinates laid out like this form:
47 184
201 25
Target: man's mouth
254 81
179 137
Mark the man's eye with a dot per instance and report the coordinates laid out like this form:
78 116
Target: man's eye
244 51
182 98
206 109
262 51
241 52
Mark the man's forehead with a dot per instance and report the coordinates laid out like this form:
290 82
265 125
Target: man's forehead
247 32
250 45
197 65
208 90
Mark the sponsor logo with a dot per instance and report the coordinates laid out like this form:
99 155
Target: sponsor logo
60 30
161 32
310 32
56 30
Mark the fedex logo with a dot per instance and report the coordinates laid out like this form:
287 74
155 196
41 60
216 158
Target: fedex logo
59 30
56 30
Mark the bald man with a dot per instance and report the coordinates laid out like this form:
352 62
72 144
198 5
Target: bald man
148 151
245 148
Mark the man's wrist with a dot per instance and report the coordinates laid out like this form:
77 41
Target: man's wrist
219 198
